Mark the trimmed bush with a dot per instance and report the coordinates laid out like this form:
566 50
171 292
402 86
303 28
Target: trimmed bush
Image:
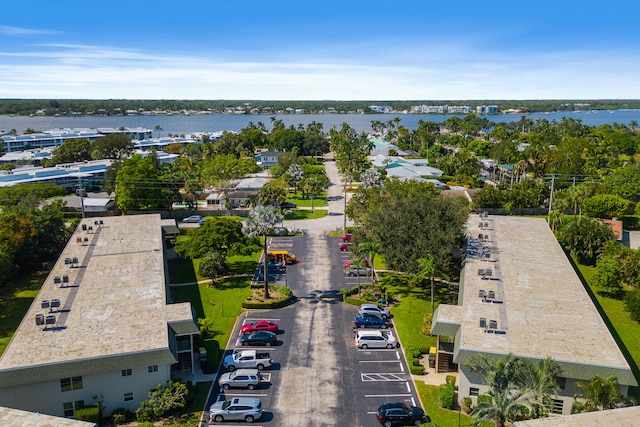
632 304
121 416
446 396
269 304
484 398
416 362
416 370
451 380
88 413
467 405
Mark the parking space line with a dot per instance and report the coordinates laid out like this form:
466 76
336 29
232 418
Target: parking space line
382 377
388 350
246 394
388 395
408 387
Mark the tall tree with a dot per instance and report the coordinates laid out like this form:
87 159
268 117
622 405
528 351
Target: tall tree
112 146
72 150
599 394
260 221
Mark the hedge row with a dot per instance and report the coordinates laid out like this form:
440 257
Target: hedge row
269 304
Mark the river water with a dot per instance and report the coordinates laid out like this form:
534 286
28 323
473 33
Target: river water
181 124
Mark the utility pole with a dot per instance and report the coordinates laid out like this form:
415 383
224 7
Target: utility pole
553 178
81 190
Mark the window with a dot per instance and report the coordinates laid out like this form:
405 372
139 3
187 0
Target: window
70 407
153 368
126 372
71 383
128 397
474 391
562 382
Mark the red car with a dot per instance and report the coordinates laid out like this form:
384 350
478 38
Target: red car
348 264
346 237
260 325
344 246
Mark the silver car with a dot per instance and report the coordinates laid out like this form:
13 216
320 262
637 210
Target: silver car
246 409
242 378
374 310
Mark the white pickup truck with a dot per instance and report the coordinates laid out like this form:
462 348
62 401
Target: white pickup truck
247 359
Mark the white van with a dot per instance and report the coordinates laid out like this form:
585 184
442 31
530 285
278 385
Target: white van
375 339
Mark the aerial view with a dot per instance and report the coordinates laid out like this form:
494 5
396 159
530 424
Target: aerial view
319 214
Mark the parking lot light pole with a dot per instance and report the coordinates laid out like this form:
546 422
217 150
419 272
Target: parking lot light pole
344 228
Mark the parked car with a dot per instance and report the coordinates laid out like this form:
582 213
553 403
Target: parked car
242 378
272 267
344 246
288 205
348 264
259 325
347 237
248 409
401 414
259 338
354 271
197 219
371 321
375 339
374 309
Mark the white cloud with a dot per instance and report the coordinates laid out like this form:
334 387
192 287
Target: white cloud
17 31
99 72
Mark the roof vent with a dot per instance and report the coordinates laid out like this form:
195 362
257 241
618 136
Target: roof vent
493 324
44 303
56 279
491 294
55 303
39 319
75 260
84 227
50 320
483 322
65 278
67 261
482 293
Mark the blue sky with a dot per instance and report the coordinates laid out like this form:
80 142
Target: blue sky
317 50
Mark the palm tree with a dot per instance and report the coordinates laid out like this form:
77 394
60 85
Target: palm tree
158 129
262 219
429 269
504 378
540 383
369 250
599 394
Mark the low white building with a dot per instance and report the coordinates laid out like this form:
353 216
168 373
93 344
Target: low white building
102 329
520 295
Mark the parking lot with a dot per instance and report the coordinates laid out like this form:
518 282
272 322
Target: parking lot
319 377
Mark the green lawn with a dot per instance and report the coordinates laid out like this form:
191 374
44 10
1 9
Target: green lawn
627 329
15 299
440 417
318 201
222 305
305 214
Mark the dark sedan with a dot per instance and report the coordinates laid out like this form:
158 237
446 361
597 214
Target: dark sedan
369 321
401 414
259 338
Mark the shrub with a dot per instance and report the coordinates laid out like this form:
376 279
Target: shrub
446 396
162 400
416 370
451 380
414 351
484 398
206 327
88 413
121 416
425 329
467 405
632 304
428 317
416 362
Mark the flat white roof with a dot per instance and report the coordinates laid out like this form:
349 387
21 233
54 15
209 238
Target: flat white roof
540 306
622 417
10 417
114 302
